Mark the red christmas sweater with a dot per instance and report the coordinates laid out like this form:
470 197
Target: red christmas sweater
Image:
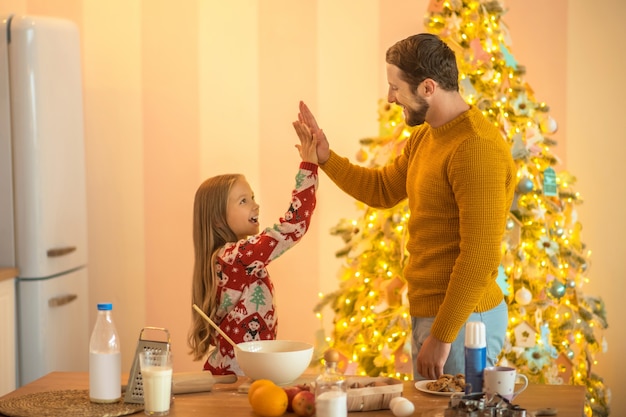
245 292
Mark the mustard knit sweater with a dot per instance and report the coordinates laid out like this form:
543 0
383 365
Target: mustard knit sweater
459 180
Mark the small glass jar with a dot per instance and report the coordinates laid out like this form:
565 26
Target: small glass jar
331 392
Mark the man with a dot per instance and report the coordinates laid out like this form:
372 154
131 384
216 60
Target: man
458 175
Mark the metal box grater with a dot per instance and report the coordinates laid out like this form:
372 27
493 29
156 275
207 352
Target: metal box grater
134 388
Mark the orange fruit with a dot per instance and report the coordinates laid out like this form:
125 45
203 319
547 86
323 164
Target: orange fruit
256 385
269 401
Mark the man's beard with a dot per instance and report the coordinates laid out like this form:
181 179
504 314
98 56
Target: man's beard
417 117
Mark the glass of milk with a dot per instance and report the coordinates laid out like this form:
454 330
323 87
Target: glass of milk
156 375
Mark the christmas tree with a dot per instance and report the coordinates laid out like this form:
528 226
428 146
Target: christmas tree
555 329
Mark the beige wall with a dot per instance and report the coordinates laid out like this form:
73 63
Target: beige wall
178 91
595 155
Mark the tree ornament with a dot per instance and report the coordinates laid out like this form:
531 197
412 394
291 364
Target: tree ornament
518 149
557 289
548 125
361 155
523 296
564 365
525 185
525 335
502 280
549 183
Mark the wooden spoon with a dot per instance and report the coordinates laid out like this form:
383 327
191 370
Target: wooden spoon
216 327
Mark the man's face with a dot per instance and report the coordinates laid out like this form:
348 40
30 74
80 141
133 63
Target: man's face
400 92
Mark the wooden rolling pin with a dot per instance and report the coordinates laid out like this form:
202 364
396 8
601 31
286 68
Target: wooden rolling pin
200 381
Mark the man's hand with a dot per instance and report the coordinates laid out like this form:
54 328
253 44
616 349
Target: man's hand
431 358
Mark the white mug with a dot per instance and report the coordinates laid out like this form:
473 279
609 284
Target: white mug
501 380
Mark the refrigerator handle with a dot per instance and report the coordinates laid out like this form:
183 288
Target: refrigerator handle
61 300
52 253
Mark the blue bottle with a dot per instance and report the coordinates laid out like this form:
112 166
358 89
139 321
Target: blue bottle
475 356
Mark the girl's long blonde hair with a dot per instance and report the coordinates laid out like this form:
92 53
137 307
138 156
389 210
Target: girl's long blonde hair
210 233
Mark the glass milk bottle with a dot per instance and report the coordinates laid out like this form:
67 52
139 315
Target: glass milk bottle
331 397
105 363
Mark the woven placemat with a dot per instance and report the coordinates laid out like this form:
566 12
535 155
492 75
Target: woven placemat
70 403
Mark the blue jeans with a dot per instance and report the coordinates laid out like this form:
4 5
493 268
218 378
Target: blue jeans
495 320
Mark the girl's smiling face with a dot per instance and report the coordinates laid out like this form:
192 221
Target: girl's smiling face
242 212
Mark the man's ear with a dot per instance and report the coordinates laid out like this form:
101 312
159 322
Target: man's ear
428 87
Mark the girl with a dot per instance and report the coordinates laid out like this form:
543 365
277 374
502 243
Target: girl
231 283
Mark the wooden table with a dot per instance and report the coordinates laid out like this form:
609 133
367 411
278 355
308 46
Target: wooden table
225 399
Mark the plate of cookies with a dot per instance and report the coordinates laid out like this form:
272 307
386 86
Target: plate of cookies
446 385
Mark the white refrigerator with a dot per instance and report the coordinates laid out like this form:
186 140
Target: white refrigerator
43 214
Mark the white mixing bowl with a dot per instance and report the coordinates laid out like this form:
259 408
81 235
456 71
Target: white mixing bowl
281 361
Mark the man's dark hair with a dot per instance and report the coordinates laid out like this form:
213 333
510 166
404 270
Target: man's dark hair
424 56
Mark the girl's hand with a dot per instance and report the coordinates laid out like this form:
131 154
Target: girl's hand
306 117
308 142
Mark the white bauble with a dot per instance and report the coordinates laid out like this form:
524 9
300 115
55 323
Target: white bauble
523 296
